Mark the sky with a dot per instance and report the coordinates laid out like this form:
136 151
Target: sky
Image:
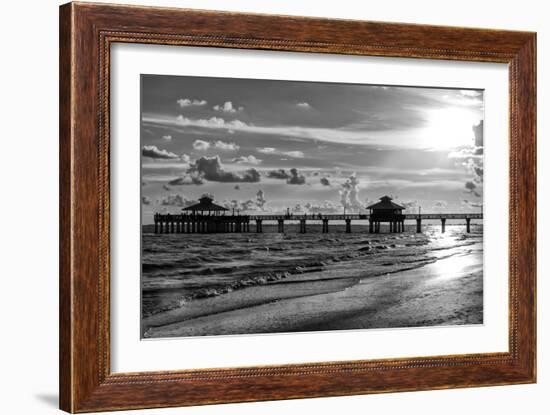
268 145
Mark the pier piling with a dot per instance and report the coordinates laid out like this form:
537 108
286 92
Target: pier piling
468 225
325 225
443 220
348 225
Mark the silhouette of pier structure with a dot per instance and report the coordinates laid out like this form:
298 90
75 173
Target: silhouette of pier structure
207 217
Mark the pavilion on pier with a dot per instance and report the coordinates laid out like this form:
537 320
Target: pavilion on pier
386 211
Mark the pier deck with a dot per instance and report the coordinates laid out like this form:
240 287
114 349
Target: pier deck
225 223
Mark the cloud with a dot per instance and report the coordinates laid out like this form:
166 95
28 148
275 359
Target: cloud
247 160
370 132
470 93
201 145
325 207
478 134
291 177
472 160
145 200
212 122
408 204
167 137
251 205
295 177
471 188
325 181
471 204
185 158
155 153
211 169
186 102
298 208
349 194
177 201
439 204
260 199
226 146
303 105
188 179
227 107
334 135
274 151
278 174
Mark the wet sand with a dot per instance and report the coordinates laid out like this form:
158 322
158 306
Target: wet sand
442 288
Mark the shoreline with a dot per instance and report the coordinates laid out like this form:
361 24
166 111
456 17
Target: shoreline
407 296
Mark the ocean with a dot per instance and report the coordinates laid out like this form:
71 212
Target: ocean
193 283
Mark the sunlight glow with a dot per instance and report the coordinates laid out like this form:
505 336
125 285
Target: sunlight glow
449 128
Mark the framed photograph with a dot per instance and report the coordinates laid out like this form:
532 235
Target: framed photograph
258 207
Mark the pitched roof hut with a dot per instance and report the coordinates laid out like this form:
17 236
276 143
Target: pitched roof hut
206 204
386 211
385 206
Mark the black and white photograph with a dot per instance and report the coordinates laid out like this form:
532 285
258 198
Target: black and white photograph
276 206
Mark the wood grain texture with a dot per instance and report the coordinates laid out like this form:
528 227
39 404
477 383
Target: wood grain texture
86 33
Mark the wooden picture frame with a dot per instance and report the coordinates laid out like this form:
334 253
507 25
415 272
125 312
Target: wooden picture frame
86 33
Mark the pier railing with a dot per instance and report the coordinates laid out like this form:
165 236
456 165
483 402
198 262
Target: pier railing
212 223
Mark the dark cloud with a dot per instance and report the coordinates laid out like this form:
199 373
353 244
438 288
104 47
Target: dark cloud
291 177
472 160
471 187
295 177
155 153
324 181
278 174
478 135
211 169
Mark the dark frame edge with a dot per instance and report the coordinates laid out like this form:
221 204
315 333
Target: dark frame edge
526 60
66 398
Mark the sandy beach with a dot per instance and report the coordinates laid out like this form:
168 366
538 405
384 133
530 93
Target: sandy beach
375 281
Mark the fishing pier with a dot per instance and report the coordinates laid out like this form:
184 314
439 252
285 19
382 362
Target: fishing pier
207 217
